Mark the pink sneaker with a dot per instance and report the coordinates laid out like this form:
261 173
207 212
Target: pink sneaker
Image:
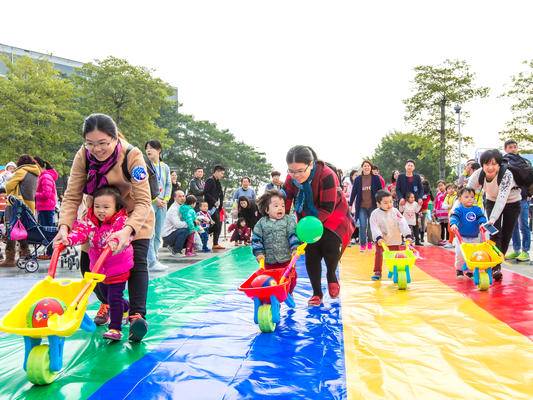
369 246
190 253
113 334
363 248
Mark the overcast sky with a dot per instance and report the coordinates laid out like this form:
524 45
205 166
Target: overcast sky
331 74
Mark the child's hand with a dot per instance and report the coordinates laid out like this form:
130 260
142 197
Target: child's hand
260 257
113 244
453 228
380 242
294 252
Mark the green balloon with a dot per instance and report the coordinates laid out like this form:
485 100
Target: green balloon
309 229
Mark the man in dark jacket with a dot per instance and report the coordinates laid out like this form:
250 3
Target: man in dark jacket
215 198
196 186
409 182
520 247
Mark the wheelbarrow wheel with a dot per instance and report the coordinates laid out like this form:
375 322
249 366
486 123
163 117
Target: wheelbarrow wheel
484 281
38 366
264 318
402 280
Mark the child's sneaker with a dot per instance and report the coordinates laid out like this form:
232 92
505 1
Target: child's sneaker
469 274
376 276
113 334
363 248
206 250
190 254
102 316
459 273
369 246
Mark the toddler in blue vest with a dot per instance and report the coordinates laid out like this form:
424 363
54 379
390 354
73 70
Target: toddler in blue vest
466 218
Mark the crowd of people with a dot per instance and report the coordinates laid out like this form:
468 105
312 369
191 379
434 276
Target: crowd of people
133 202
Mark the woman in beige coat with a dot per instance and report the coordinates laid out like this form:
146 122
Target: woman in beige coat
100 162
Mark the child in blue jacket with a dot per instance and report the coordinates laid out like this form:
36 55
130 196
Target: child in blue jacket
466 218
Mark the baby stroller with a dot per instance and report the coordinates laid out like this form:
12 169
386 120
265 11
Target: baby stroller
38 236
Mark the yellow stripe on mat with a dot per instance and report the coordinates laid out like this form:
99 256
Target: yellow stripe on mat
427 342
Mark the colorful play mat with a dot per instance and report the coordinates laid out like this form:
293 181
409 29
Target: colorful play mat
439 339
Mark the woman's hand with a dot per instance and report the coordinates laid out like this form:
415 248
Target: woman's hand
122 239
61 237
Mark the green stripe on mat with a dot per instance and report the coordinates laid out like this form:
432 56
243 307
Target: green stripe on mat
89 360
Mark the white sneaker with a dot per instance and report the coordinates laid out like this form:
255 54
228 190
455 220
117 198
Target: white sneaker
158 267
448 245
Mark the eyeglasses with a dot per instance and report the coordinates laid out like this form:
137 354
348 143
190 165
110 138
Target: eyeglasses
101 145
296 173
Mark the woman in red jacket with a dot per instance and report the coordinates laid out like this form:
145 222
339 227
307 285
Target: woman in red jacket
315 190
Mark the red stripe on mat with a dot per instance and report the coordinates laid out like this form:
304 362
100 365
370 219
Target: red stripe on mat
511 300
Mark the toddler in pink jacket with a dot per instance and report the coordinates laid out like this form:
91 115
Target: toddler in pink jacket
107 216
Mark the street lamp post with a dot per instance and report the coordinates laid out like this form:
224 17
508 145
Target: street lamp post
457 109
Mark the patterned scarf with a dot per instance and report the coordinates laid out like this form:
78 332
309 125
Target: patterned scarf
304 198
98 170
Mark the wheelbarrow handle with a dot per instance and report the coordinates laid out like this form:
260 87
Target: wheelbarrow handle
55 257
95 270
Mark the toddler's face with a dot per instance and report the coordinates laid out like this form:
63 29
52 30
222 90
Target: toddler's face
104 207
411 198
450 190
386 203
467 199
243 224
441 187
203 207
276 208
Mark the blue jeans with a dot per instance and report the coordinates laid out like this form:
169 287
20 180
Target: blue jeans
46 218
522 227
155 242
177 239
365 234
205 237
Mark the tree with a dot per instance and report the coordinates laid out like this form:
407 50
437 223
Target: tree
129 94
398 147
202 144
436 87
521 91
38 113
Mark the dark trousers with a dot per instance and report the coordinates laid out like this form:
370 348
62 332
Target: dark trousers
205 238
415 233
138 281
329 248
505 223
176 239
216 227
118 305
444 234
46 218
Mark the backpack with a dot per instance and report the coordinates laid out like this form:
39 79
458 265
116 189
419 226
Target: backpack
520 168
152 176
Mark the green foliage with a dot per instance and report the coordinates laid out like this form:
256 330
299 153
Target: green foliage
39 116
453 81
129 94
398 147
521 91
202 144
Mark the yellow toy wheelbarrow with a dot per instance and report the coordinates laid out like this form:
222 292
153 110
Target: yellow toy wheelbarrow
399 263
39 315
480 258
